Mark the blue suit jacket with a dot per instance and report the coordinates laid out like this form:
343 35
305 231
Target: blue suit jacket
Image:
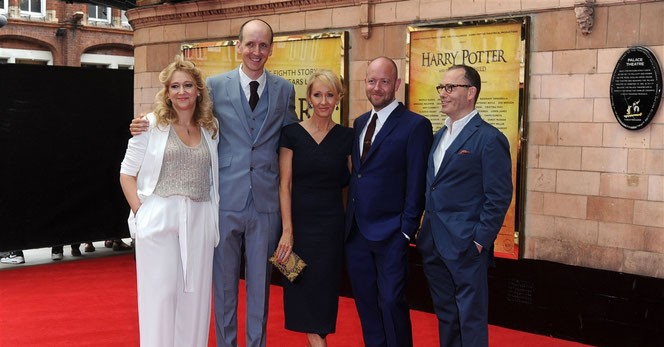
244 163
467 199
386 193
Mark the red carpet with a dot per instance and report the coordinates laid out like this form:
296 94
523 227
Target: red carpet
93 303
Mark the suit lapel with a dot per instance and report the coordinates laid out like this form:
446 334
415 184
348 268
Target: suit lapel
271 86
358 126
234 90
431 172
465 134
386 129
159 138
214 163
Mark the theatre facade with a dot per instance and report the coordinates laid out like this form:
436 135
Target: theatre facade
589 190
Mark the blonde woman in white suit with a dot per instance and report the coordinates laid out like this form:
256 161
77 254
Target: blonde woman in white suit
170 178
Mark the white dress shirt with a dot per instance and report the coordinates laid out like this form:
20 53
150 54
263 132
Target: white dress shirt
245 80
383 114
453 130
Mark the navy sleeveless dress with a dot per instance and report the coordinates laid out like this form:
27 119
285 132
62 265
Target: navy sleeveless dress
320 171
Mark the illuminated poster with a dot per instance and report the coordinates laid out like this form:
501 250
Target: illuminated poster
496 52
294 58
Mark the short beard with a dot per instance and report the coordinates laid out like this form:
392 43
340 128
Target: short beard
386 101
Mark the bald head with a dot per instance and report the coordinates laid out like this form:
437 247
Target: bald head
382 82
257 24
255 47
383 62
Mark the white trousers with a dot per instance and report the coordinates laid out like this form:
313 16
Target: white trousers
175 239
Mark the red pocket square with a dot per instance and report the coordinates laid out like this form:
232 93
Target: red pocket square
463 151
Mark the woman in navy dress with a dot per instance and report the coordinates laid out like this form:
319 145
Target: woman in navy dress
314 168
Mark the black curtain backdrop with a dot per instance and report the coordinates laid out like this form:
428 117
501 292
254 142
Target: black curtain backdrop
63 134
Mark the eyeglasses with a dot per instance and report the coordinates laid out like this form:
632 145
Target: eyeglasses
186 86
449 88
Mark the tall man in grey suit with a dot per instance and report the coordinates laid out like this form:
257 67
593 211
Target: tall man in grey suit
252 105
250 120
468 192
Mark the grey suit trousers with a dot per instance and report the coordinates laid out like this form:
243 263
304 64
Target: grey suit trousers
259 233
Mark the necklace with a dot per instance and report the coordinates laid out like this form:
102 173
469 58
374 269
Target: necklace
328 126
186 127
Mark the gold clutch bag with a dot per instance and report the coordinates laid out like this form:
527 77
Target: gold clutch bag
291 268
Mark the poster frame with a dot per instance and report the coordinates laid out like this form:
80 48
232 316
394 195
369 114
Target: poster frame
522 123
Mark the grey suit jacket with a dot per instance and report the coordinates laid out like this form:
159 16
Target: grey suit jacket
244 164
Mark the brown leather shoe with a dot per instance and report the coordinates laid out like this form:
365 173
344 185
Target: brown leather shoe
89 247
119 245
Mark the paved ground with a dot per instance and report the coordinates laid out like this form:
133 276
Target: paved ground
41 256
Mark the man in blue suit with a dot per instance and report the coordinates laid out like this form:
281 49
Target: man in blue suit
385 203
251 105
468 192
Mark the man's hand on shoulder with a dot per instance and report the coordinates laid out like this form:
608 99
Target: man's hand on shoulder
139 125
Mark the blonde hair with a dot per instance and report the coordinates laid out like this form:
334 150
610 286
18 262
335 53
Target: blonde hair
164 111
327 78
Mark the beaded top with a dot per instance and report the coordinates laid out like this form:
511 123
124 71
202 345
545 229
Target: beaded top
185 171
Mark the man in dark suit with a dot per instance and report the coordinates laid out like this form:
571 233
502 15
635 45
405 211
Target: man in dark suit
468 192
385 203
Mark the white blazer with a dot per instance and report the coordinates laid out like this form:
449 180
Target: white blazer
143 159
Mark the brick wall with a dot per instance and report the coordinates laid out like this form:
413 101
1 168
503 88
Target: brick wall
37 34
110 50
594 192
595 196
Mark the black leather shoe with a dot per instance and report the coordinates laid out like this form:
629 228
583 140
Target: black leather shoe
56 253
75 251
